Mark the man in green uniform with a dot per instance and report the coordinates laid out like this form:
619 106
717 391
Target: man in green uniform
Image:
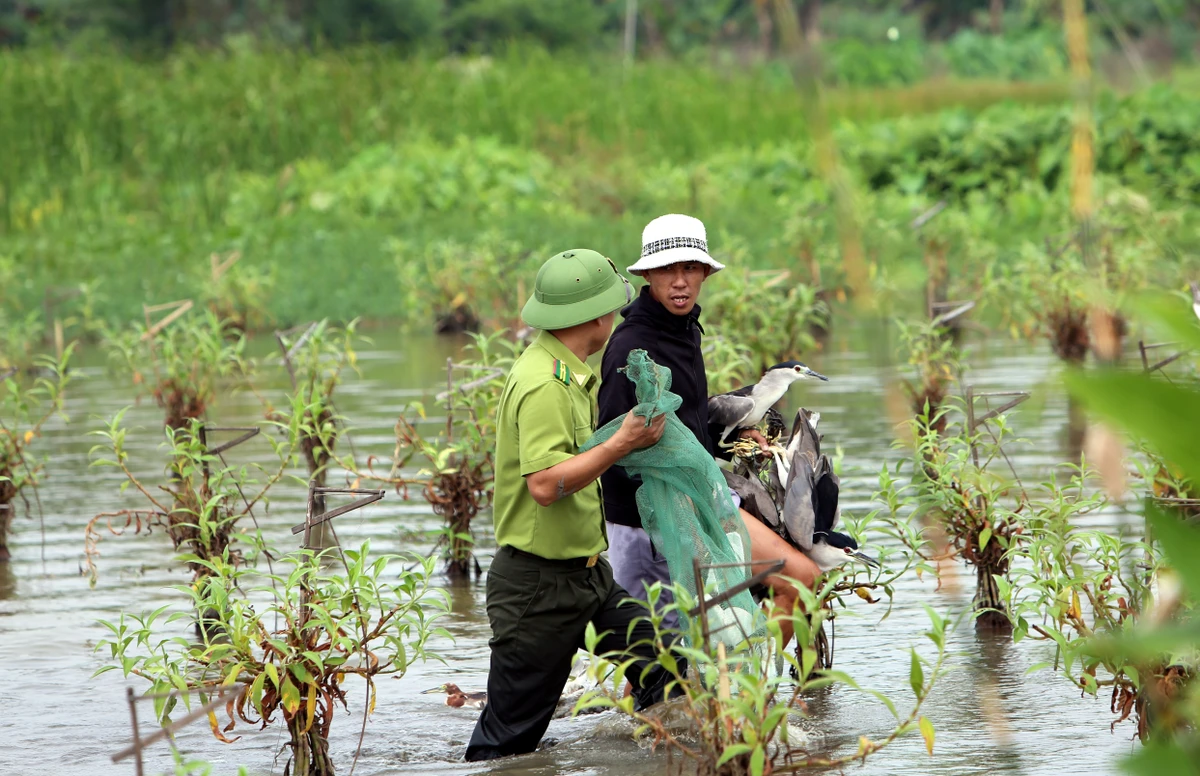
548 579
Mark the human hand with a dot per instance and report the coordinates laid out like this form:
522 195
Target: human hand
634 433
756 435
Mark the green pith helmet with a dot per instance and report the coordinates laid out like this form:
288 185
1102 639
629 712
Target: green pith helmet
575 287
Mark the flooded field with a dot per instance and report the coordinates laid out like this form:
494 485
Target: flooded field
989 715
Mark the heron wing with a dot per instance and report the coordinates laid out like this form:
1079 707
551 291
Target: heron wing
810 459
799 516
804 436
776 486
825 496
755 499
729 409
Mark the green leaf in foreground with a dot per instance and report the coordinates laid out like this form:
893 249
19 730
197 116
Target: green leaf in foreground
1181 543
1162 759
1163 414
928 734
916 675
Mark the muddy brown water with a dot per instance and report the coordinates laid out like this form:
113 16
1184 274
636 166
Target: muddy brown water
989 715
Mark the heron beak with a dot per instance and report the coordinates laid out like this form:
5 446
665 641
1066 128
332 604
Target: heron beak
867 559
442 688
810 373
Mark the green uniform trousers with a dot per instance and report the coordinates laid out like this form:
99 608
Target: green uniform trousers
539 610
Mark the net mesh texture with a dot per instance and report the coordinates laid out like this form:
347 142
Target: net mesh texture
685 504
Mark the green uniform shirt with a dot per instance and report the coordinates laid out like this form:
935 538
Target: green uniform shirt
547 411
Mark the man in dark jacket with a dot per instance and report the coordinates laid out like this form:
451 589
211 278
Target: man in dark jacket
665 322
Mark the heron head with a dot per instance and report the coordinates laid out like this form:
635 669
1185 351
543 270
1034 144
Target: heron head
448 689
797 371
846 544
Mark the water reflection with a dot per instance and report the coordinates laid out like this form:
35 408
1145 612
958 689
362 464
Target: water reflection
8 582
996 672
1076 429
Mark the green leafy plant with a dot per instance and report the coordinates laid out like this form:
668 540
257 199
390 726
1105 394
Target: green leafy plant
457 474
181 364
292 656
767 312
25 407
466 287
1152 652
22 338
316 363
728 364
202 506
239 294
934 358
1069 584
739 714
976 514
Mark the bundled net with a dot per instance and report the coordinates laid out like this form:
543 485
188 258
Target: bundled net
685 504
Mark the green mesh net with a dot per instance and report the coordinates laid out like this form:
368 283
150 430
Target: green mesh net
685 504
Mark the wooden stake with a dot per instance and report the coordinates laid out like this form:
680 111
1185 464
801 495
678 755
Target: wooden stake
178 309
139 769
220 267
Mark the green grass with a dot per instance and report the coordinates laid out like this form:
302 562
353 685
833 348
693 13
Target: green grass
368 185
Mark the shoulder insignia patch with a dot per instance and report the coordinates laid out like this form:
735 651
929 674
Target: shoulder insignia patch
562 372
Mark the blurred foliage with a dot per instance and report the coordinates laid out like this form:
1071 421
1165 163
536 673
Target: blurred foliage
1160 645
674 26
1035 54
26 405
347 196
769 313
934 358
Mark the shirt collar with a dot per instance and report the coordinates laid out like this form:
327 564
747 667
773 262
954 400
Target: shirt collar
647 305
582 373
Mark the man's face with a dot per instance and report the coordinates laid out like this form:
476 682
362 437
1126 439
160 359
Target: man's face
677 286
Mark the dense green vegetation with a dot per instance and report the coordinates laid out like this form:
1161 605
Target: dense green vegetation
1017 35
365 173
129 175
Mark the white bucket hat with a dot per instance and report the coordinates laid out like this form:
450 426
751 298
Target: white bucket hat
671 239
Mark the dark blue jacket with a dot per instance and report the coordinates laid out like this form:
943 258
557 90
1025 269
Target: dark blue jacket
672 341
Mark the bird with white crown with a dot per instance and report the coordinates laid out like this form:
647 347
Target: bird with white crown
746 407
799 499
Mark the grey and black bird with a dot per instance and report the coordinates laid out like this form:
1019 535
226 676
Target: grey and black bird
746 406
810 507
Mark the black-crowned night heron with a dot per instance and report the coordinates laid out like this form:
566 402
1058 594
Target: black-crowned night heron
810 506
746 406
795 492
